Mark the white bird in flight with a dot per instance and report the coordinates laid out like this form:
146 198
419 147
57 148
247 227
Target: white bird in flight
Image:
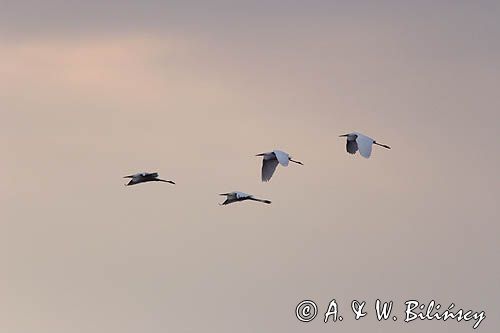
357 141
271 160
144 177
240 196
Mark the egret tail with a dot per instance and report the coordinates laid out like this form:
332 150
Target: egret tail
298 162
260 200
165 181
381 145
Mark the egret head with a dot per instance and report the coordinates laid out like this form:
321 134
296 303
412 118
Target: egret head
350 136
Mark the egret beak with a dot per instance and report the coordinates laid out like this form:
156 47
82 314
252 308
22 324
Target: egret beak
298 162
131 176
343 135
261 154
224 194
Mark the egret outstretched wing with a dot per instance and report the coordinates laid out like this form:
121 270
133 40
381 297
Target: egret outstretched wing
351 146
241 195
268 168
282 157
137 175
364 144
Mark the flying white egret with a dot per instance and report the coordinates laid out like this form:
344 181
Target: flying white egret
357 141
144 177
271 160
240 196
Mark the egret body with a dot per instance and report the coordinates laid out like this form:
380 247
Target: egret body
240 196
271 160
144 177
357 141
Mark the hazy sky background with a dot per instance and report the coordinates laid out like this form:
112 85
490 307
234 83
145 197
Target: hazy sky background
91 91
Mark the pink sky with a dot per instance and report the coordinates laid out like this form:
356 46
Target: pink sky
90 93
